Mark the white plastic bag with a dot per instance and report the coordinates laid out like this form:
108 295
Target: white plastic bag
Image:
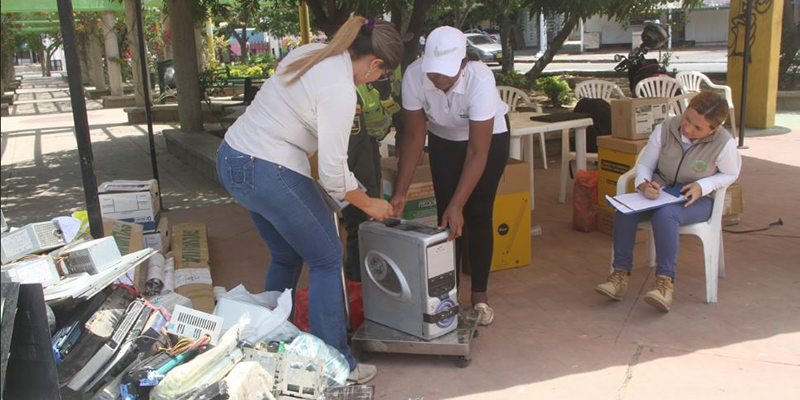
275 325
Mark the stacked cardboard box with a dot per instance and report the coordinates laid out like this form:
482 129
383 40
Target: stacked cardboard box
421 202
635 118
615 157
131 201
136 202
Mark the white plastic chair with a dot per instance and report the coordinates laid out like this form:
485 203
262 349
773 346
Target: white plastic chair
691 80
597 89
659 86
679 103
512 96
709 232
590 89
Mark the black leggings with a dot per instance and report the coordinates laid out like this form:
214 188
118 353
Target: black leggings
447 160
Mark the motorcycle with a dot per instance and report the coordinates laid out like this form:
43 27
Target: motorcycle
638 67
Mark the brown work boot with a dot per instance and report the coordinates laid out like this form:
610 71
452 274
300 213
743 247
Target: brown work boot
616 285
660 296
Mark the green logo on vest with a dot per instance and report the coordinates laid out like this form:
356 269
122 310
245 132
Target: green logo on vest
699 166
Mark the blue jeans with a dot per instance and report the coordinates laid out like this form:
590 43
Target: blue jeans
291 216
666 221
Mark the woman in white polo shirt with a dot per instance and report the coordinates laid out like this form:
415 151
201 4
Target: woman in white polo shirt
306 107
455 100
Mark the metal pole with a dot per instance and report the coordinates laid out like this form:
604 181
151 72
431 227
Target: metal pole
148 113
745 67
80 118
344 281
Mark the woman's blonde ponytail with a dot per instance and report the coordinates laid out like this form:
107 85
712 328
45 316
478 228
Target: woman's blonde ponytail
378 38
342 41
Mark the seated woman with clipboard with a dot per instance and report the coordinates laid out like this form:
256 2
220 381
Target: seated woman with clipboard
694 153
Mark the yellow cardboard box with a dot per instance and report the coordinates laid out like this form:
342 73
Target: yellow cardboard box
615 157
512 218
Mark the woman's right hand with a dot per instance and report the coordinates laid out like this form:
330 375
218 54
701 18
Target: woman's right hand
378 209
398 203
650 189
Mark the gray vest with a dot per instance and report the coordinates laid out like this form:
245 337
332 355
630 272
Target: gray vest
699 161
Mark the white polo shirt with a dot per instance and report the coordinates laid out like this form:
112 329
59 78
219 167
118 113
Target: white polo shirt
286 124
473 97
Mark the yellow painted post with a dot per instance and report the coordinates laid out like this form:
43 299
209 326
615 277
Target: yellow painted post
762 81
305 23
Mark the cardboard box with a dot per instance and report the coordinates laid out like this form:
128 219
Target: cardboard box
421 203
127 235
635 118
131 201
158 239
734 205
605 224
511 218
615 157
192 272
733 200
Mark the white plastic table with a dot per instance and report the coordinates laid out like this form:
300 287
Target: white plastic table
523 127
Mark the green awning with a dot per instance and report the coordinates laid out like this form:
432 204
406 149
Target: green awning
31 6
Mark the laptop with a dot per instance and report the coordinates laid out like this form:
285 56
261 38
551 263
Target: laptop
560 117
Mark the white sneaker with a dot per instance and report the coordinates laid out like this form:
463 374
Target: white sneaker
362 374
485 314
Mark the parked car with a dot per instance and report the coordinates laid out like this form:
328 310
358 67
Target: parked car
485 47
491 32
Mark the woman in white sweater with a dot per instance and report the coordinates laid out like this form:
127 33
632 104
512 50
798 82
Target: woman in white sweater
306 107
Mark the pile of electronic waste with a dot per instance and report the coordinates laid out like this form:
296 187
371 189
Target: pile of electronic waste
132 319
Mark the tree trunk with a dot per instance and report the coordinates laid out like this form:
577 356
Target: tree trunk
97 77
415 24
6 68
112 53
506 37
244 51
552 48
83 53
47 62
186 73
40 56
139 90
198 43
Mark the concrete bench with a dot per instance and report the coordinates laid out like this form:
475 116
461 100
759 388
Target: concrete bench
161 113
788 100
119 101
